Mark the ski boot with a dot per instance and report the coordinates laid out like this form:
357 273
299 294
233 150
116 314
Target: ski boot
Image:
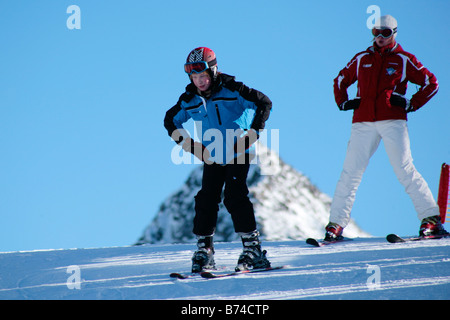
333 232
252 256
203 258
432 226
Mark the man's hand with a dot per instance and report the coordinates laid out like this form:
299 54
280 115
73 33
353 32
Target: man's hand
350 104
397 100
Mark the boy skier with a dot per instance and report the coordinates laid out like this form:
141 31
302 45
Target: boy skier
380 109
220 105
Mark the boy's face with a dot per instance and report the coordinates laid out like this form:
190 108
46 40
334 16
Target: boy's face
201 80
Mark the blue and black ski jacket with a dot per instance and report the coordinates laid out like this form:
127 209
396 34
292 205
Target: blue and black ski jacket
231 107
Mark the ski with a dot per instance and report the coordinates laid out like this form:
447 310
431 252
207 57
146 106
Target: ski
393 238
212 275
321 243
182 276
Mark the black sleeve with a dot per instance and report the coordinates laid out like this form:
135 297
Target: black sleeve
168 119
263 104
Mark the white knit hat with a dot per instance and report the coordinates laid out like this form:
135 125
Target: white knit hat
387 21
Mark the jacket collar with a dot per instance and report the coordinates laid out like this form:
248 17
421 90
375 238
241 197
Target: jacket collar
221 80
392 48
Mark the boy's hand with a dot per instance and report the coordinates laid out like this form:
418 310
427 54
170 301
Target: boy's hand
197 149
246 141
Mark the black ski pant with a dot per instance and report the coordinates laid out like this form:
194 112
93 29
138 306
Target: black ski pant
236 200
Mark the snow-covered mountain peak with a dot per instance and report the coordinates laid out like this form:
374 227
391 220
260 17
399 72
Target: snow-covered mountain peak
287 206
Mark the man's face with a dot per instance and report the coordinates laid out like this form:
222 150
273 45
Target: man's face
381 42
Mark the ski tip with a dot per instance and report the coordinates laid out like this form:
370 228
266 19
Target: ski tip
313 242
320 243
176 275
393 238
207 275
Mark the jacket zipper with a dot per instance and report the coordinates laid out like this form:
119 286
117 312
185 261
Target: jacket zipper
218 115
380 72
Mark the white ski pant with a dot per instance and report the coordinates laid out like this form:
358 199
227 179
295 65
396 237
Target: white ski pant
364 140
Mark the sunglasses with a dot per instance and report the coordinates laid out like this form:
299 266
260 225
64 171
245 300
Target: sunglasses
198 67
385 33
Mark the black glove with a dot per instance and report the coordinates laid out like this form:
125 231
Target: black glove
350 104
397 100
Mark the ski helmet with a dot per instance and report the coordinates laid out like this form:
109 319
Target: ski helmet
201 59
386 23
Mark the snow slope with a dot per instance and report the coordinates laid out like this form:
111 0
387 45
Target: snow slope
416 270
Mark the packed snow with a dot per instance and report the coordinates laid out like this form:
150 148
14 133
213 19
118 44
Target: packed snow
365 268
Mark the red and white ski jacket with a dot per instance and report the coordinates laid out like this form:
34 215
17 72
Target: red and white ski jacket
381 72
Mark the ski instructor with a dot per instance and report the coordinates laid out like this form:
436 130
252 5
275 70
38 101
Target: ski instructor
380 112
220 105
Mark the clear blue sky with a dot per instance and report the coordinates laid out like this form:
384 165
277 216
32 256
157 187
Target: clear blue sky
85 159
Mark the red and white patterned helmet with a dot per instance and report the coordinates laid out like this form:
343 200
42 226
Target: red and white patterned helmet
201 59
